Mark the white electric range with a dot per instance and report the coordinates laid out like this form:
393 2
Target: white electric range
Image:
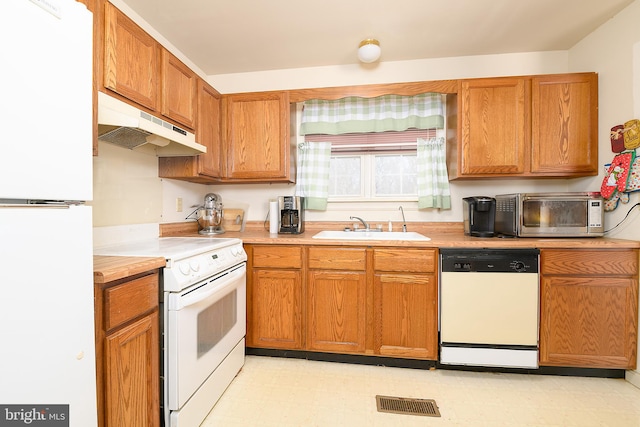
203 319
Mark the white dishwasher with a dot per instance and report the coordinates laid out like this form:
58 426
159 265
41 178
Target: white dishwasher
489 305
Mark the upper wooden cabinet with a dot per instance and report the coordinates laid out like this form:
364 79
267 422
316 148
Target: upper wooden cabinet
564 125
204 168
138 68
540 126
253 144
179 86
493 135
256 137
131 59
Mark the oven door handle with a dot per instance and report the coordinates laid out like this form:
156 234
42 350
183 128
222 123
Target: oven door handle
206 292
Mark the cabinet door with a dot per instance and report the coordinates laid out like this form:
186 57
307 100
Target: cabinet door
406 315
130 59
564 124
204 168
208 131
494 130
132 372
179 86
336 307
589 321
276 311
256 137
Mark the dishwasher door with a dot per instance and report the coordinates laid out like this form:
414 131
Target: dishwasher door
489 305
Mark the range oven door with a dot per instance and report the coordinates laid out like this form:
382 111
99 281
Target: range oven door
203 324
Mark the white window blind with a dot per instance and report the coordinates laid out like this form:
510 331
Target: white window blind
374 142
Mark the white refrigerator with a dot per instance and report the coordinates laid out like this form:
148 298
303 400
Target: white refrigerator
47 349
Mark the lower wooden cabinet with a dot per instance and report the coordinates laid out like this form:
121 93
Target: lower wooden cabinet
383 301
336 299
131 366
276 311
351 300
274 297
127 352
406 303
589 308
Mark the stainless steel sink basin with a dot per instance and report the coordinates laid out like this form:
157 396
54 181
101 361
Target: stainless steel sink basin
370 235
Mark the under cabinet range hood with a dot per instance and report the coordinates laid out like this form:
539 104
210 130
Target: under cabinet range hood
126 126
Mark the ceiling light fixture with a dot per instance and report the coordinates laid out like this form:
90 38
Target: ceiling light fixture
369 50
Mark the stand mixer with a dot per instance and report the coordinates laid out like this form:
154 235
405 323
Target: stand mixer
210 215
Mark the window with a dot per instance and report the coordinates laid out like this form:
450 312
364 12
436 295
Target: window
374 166
373 176
373 149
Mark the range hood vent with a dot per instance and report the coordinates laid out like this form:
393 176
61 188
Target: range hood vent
126 126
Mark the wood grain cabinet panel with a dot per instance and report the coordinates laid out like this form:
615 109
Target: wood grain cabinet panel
117 300
406 315
133 374
564 124
128 351
405 299
179 86
131 59
276 320
494 133
405 260
256 137
529 126
204 168
330 258
589 308
275 292
337 311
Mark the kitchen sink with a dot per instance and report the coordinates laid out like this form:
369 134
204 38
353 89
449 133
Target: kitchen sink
370 235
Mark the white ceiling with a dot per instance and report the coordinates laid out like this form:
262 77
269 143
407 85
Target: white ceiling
233 36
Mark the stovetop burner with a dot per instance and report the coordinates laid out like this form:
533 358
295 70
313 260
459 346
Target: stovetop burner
167 247
189 259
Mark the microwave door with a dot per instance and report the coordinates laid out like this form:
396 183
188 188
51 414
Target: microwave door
554 217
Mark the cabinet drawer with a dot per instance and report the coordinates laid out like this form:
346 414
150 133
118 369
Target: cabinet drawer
277 256
589 262
338 258
404 260
129 300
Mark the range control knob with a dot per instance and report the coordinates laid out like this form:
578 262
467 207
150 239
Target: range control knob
519 266
195 265
184 268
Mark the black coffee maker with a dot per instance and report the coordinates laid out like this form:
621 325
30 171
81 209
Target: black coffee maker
291 214
479 216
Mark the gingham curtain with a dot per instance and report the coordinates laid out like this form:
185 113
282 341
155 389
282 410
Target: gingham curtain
432 179
380 114
312 176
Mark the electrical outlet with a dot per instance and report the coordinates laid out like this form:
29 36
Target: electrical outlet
179 204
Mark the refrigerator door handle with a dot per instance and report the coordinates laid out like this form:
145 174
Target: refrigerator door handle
48 204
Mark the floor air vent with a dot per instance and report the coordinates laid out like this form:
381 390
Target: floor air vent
407 406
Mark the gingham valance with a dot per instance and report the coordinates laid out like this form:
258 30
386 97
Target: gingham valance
383 113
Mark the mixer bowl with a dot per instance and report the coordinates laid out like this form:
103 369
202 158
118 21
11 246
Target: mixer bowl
209 221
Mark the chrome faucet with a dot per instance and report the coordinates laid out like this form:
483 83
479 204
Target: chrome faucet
366 225
404 221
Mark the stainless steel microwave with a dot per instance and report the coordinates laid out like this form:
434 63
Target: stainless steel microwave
550 215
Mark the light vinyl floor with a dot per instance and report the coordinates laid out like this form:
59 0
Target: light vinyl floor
283 392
